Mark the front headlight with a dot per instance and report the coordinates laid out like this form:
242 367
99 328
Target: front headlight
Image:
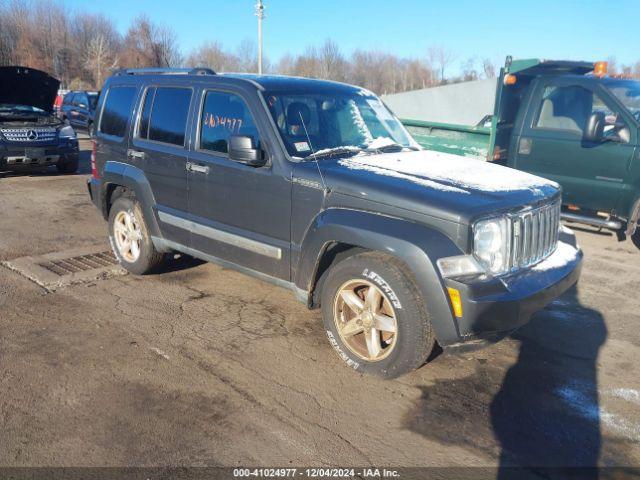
67 132
492 244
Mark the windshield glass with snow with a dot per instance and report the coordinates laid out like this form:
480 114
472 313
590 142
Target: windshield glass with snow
317 123
628 92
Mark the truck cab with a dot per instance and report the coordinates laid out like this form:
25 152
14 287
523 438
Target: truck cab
571 123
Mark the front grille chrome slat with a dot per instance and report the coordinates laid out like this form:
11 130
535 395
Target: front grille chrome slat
32 135
534 235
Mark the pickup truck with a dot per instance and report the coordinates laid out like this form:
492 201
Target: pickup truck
316 187
566 121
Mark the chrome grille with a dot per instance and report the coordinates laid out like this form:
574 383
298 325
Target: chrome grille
34 135
534 234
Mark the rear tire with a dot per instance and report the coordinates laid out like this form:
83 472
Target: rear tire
388 333
129 237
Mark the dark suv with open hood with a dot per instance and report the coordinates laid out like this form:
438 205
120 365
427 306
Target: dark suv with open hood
317 187
31 136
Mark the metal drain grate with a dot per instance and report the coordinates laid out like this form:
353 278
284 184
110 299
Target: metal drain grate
80 263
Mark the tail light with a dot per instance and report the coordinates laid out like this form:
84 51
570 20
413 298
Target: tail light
94 168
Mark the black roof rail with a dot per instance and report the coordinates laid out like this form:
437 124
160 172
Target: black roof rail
165 71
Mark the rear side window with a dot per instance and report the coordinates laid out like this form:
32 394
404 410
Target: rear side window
164 115
116 111
224 114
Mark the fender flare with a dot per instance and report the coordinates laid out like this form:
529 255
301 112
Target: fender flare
122 174
418 246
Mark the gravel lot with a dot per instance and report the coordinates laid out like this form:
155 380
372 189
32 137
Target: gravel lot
202 365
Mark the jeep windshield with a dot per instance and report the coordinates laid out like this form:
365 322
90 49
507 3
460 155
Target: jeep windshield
325 124
628 92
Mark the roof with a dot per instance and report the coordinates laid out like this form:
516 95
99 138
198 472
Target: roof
289 83
535 66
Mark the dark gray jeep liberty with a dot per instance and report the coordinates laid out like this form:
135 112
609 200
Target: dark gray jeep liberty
317 187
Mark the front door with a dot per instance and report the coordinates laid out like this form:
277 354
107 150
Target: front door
159 149
552 144
240 214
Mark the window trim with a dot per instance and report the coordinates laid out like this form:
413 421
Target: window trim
185 143
538 110
109 136
215 153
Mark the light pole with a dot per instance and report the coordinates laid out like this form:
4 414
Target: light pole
260 14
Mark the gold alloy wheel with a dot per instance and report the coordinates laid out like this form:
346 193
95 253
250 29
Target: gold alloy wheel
127 235
365 320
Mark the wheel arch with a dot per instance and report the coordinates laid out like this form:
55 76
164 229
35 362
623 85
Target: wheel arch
120 175
339 233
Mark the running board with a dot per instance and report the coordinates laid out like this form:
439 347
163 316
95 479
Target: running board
594 222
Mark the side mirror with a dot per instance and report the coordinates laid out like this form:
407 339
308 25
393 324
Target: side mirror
594 132
242 149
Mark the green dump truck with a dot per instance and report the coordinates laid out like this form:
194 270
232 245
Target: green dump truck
566 121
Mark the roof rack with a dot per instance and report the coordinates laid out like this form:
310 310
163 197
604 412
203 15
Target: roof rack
166 71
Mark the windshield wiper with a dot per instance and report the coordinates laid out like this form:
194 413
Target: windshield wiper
391 147
330 152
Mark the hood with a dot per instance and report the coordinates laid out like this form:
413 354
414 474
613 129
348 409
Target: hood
26 86
438 184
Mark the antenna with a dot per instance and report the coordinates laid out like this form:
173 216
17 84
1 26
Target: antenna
260 14
313 152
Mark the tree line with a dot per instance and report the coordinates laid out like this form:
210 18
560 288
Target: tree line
82 49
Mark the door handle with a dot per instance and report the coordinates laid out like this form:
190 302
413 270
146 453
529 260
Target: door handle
194 167
136 154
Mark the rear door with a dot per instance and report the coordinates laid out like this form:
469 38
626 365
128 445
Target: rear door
159 147
80 110
239 213
552 144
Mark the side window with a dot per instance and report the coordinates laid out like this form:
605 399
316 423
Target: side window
568 108
145 116
116 111
169 109
224 114
68 98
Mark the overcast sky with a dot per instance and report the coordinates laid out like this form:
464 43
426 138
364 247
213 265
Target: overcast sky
560 29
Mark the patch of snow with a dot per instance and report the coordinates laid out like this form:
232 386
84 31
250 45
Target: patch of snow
460 172
157 351
583 400
563 255
380 142
359 122
628 394
403 176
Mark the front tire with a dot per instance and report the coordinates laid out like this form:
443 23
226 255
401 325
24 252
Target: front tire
635 238
129 237
375 317
68 167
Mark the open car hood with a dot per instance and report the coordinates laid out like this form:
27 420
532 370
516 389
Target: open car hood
26 86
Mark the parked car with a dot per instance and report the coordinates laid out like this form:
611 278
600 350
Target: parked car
31 136
317 187
78 109
566 121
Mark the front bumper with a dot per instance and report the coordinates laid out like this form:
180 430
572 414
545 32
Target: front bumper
494 307
20 156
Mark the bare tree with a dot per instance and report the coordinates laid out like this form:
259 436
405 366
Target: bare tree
440 57
489 68
213 55
331 62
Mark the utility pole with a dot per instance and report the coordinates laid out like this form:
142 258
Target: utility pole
260 14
